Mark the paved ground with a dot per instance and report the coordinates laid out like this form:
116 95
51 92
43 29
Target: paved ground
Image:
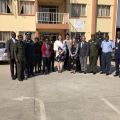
59 97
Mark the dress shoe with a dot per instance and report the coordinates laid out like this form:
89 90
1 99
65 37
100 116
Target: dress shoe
107 74
116 75
102 73
14 78
85 72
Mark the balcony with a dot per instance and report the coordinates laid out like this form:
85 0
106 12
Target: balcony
51 20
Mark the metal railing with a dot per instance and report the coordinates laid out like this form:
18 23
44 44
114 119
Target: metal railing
52 18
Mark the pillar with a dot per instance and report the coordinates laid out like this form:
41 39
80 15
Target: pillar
115 10
93 20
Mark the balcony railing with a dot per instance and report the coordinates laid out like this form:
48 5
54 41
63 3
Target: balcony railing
52 18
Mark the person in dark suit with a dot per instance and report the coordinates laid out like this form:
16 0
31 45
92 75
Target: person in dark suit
37 50
83 51
117 55
20 57
52 58
10 49
29 48
100 38
93 54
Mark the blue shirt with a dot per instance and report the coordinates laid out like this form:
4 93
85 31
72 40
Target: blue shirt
107 46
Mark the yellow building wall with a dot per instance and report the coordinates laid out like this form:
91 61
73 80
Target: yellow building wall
18 23
15 22
106 2
87 19
105 24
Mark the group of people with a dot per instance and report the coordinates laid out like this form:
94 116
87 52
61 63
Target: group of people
28 57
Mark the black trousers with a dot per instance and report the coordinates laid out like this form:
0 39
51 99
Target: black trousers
13 68
52 60
46 64
29 66
67 61
117 63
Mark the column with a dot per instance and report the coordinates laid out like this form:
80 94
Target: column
115 10
36 10
93 20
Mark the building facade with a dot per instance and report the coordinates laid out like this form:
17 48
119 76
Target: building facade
53 17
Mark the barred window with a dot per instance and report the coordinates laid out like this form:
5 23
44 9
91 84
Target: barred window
4 36
5 6
26 7
78 10
103 10
77 35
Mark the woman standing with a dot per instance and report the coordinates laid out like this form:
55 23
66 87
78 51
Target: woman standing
60 49
73 50
46 54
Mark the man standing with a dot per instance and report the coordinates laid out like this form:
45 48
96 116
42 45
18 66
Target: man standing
93 54
107 47
20 57
117 55
29 55
10 49
100 39
83 49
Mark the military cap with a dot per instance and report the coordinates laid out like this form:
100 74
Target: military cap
28 33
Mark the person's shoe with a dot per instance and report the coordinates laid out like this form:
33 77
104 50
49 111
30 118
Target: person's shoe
26 77
33 74
14 78
81 72
102 73
20 80
116 75
85 72
94 73
107 74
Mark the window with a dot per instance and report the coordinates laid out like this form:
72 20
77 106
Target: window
78 10
103 10
4 36
77 35
26 7
5 6
23 33
2 45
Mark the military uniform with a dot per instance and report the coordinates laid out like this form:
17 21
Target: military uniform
93 55
20 58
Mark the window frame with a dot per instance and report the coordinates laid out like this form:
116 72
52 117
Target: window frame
26 14
105 9
2 33
81 6
7 5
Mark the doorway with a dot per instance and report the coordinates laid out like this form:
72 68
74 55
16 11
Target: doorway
49 14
